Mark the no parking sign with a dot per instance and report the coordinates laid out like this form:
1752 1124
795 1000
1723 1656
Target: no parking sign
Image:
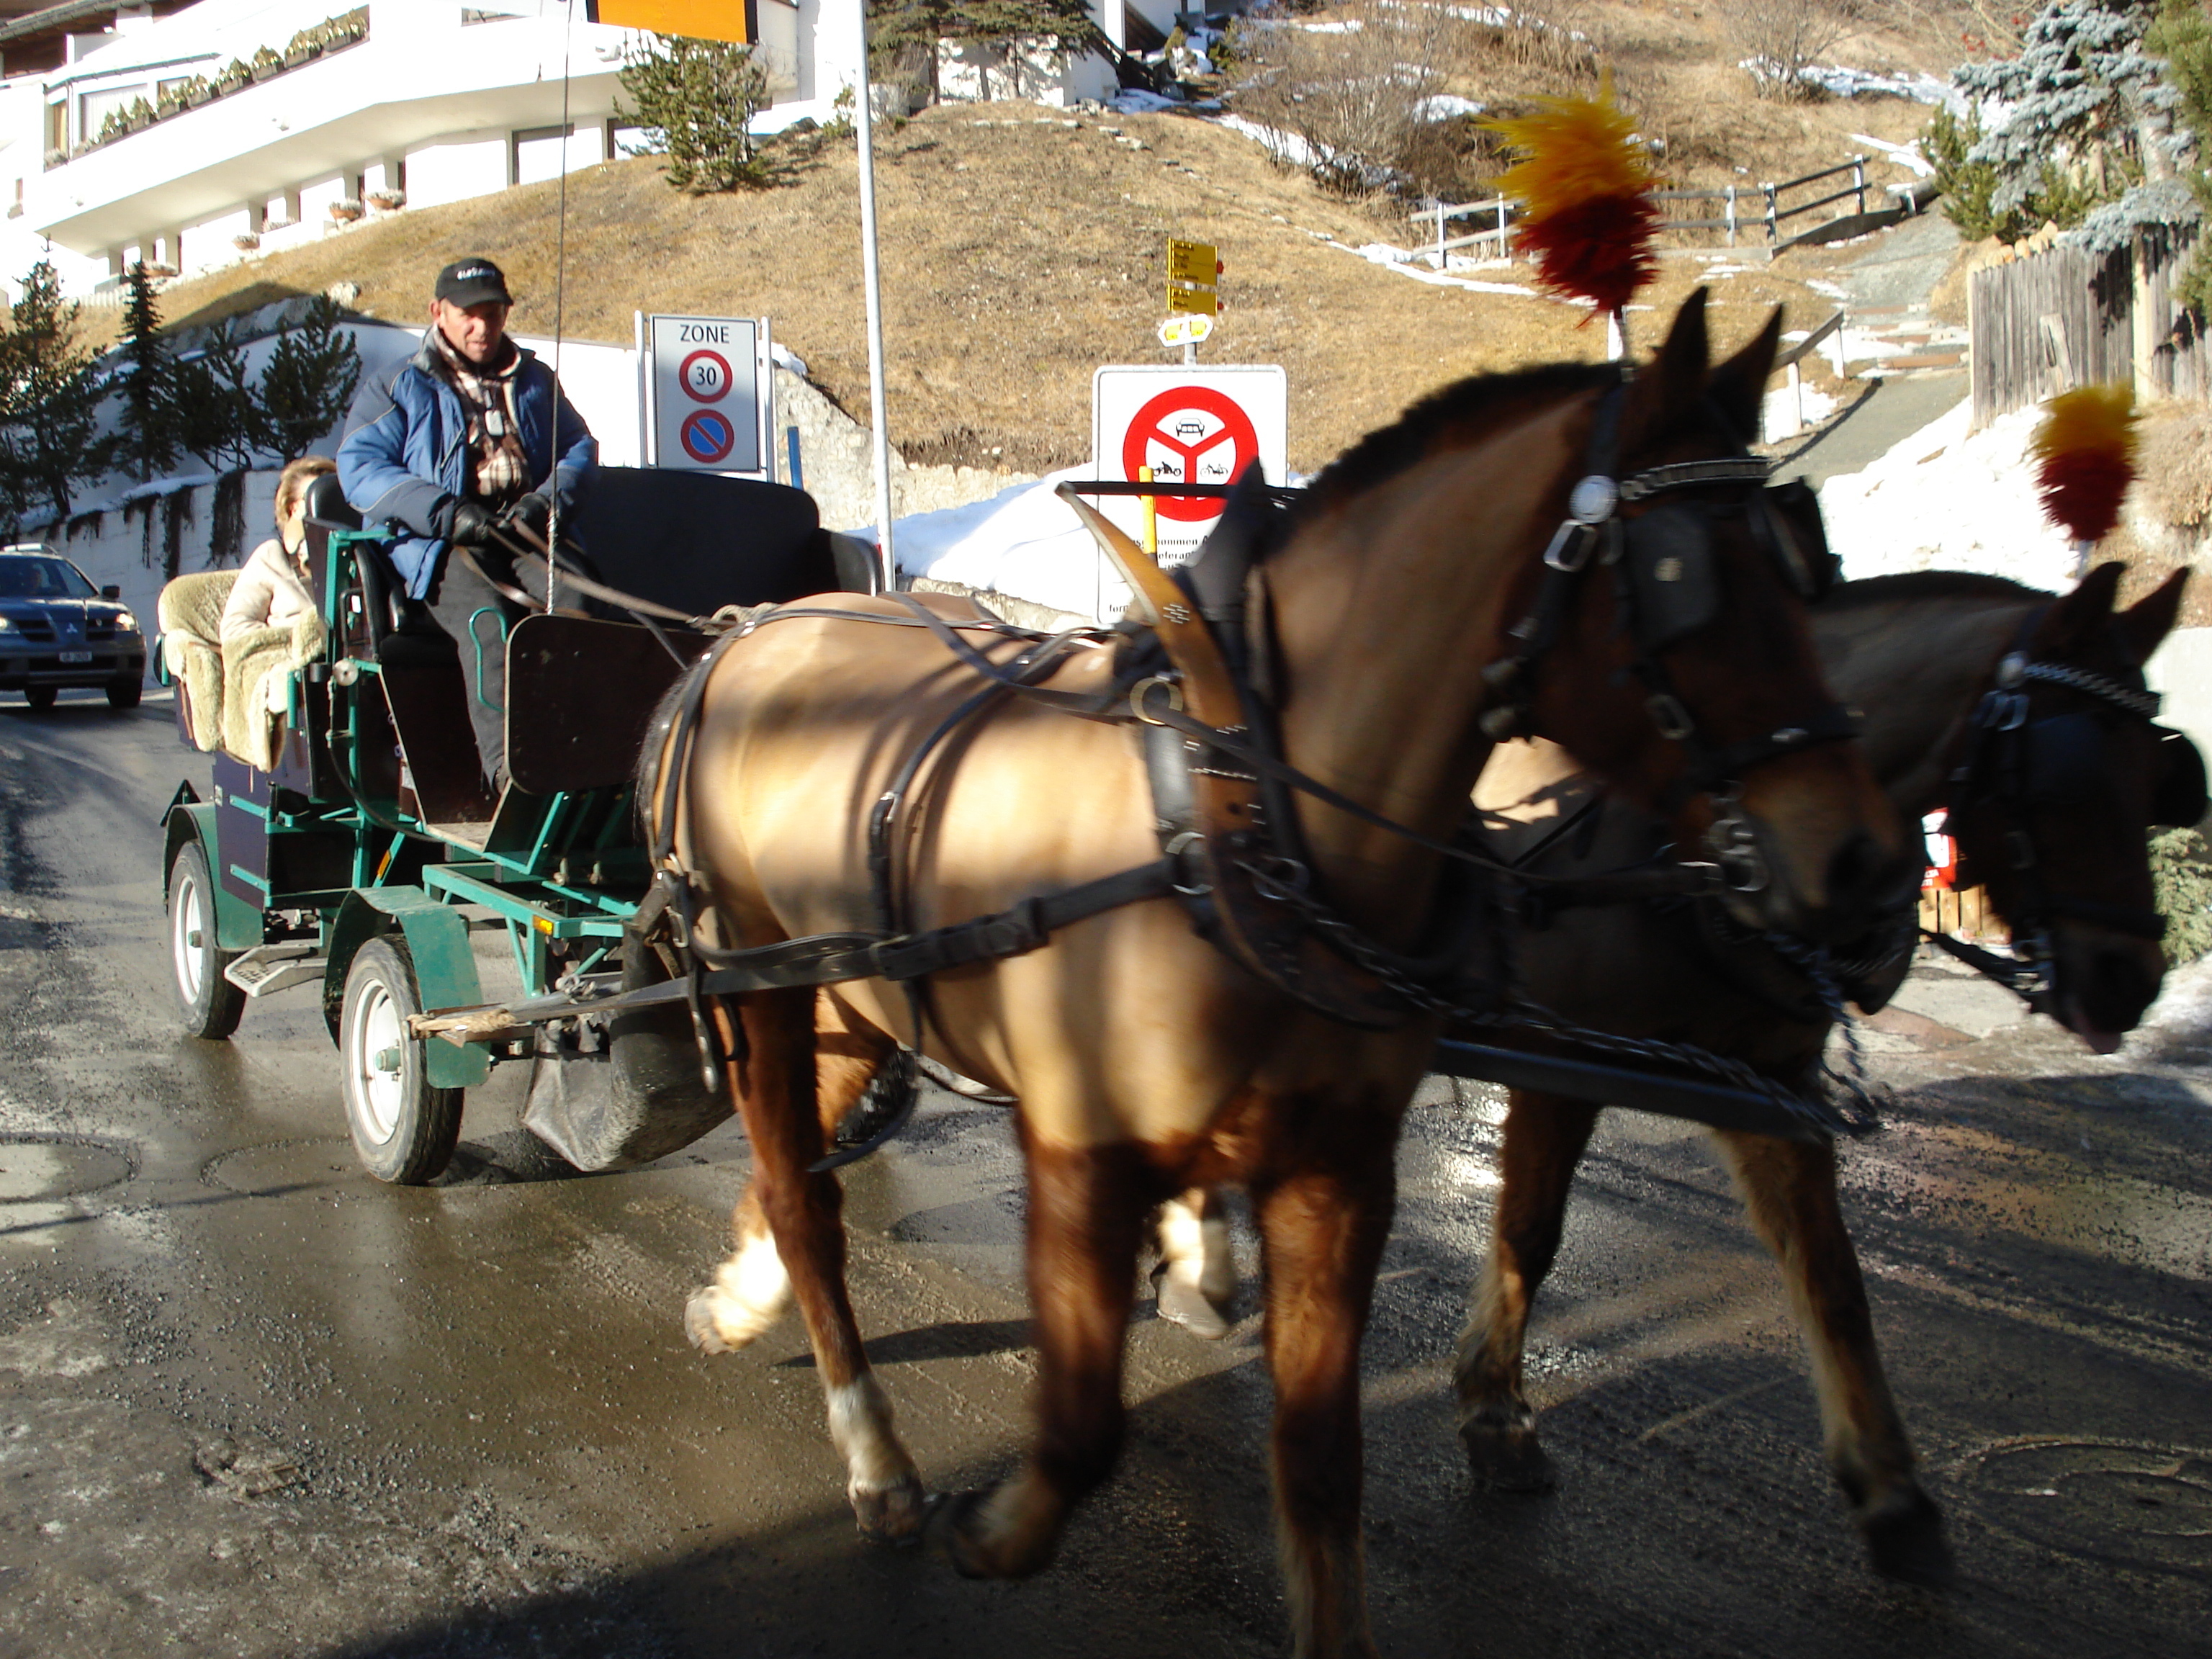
706 405
1190 425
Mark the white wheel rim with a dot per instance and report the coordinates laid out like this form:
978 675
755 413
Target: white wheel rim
188 935
376 1031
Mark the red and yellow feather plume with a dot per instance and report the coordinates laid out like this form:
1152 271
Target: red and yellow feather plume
1589 220
2085 451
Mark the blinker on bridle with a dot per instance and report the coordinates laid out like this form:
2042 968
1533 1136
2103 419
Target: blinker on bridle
1670 587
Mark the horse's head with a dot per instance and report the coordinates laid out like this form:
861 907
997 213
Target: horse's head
2061 773
1683 667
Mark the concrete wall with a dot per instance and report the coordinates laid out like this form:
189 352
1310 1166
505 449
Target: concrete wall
2182 670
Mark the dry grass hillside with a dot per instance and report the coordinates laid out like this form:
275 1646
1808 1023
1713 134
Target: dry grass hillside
1023 247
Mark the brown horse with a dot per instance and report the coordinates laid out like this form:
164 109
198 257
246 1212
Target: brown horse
1923 655
1920 653
1143 1058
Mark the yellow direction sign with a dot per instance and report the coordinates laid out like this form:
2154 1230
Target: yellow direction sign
1193 262
1184 296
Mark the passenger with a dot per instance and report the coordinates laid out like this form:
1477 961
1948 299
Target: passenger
471 434
273 590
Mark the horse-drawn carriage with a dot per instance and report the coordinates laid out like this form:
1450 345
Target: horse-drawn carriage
351 839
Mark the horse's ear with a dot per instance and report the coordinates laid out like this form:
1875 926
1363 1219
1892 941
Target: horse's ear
1681 370
1738 388
2070 622
2150 619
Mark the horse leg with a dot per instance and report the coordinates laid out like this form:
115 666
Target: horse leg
1544 1138
1789 1190
1197 1274
775 1088
1322 1225
1085 1221
751 1291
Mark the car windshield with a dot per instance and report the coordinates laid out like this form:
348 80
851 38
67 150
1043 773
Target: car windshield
43 579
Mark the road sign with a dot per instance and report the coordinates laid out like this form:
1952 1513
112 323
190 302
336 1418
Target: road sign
1186 331
707 406
1190 425
1193 262
1181 296
708 437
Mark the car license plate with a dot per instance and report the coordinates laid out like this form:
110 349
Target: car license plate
76 656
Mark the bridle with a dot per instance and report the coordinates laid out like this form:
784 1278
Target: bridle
1671 586
2013 763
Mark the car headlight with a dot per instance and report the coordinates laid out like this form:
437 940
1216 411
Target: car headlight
5 624
125 623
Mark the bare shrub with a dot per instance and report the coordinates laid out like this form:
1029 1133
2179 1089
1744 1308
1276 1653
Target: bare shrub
1782 39
2174 470
1557 35
1350 95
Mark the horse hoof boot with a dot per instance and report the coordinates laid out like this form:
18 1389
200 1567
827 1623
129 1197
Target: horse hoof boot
1905 1538
893 1513
1506 1456
1190 1307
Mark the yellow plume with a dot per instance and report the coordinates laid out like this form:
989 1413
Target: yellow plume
1573 149
2091 417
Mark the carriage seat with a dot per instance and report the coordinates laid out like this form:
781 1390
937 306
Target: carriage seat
231 697
397 629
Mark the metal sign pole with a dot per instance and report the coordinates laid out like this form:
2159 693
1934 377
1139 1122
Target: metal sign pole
872 283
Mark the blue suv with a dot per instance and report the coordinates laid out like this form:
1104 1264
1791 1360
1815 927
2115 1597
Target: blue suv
57 630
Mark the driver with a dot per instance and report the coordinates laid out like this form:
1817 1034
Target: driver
470 437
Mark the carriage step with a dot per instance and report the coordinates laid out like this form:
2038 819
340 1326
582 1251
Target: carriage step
274 967
468 833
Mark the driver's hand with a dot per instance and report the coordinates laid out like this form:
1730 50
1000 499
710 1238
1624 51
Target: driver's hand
469 526
534 512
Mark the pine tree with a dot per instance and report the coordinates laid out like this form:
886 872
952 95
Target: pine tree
148 442
49 398
2087 118
2182 35
699 97
218 419
308 382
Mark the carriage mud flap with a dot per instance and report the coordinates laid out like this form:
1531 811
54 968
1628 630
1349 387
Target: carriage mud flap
238 925
614 1091
445 968
1709 1104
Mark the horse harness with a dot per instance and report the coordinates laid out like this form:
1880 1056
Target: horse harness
2013 764
1193 673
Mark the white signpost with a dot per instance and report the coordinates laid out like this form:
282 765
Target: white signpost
707 404
1190 425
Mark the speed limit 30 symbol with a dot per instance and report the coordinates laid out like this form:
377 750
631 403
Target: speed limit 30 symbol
705 376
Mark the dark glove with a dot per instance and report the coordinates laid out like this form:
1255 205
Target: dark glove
467 525
534 512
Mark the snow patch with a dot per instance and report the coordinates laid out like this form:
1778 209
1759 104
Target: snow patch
1943 499
1445 107
1906 156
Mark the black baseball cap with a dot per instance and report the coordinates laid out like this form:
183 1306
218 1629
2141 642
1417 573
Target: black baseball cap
470 282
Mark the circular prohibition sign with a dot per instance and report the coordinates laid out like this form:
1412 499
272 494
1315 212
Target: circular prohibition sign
1169 424
707 436
705 376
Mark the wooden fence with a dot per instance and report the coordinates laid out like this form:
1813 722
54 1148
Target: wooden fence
2067 318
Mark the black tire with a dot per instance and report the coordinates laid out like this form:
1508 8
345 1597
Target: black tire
41 697
404 1129
212 1004
124 694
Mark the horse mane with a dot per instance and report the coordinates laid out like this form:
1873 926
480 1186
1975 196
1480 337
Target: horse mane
1463 411
1927 585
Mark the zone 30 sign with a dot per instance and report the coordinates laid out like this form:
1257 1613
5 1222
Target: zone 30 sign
1190 425
706 382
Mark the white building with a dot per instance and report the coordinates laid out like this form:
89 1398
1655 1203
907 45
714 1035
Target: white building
193 136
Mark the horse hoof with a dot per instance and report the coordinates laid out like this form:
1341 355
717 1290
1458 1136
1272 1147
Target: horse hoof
1905 1538
1190 1307
894 1514
717 1323
1507 1457
950 1521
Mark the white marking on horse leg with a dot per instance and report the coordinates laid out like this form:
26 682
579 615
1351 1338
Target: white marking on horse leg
1197 1270
750 1292
881 1481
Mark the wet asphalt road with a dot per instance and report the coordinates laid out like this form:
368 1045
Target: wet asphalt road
251 1402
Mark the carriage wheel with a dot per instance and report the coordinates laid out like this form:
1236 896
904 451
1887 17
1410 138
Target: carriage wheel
404 1129
212 1004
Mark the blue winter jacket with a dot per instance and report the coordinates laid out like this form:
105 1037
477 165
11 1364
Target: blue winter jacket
405 454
